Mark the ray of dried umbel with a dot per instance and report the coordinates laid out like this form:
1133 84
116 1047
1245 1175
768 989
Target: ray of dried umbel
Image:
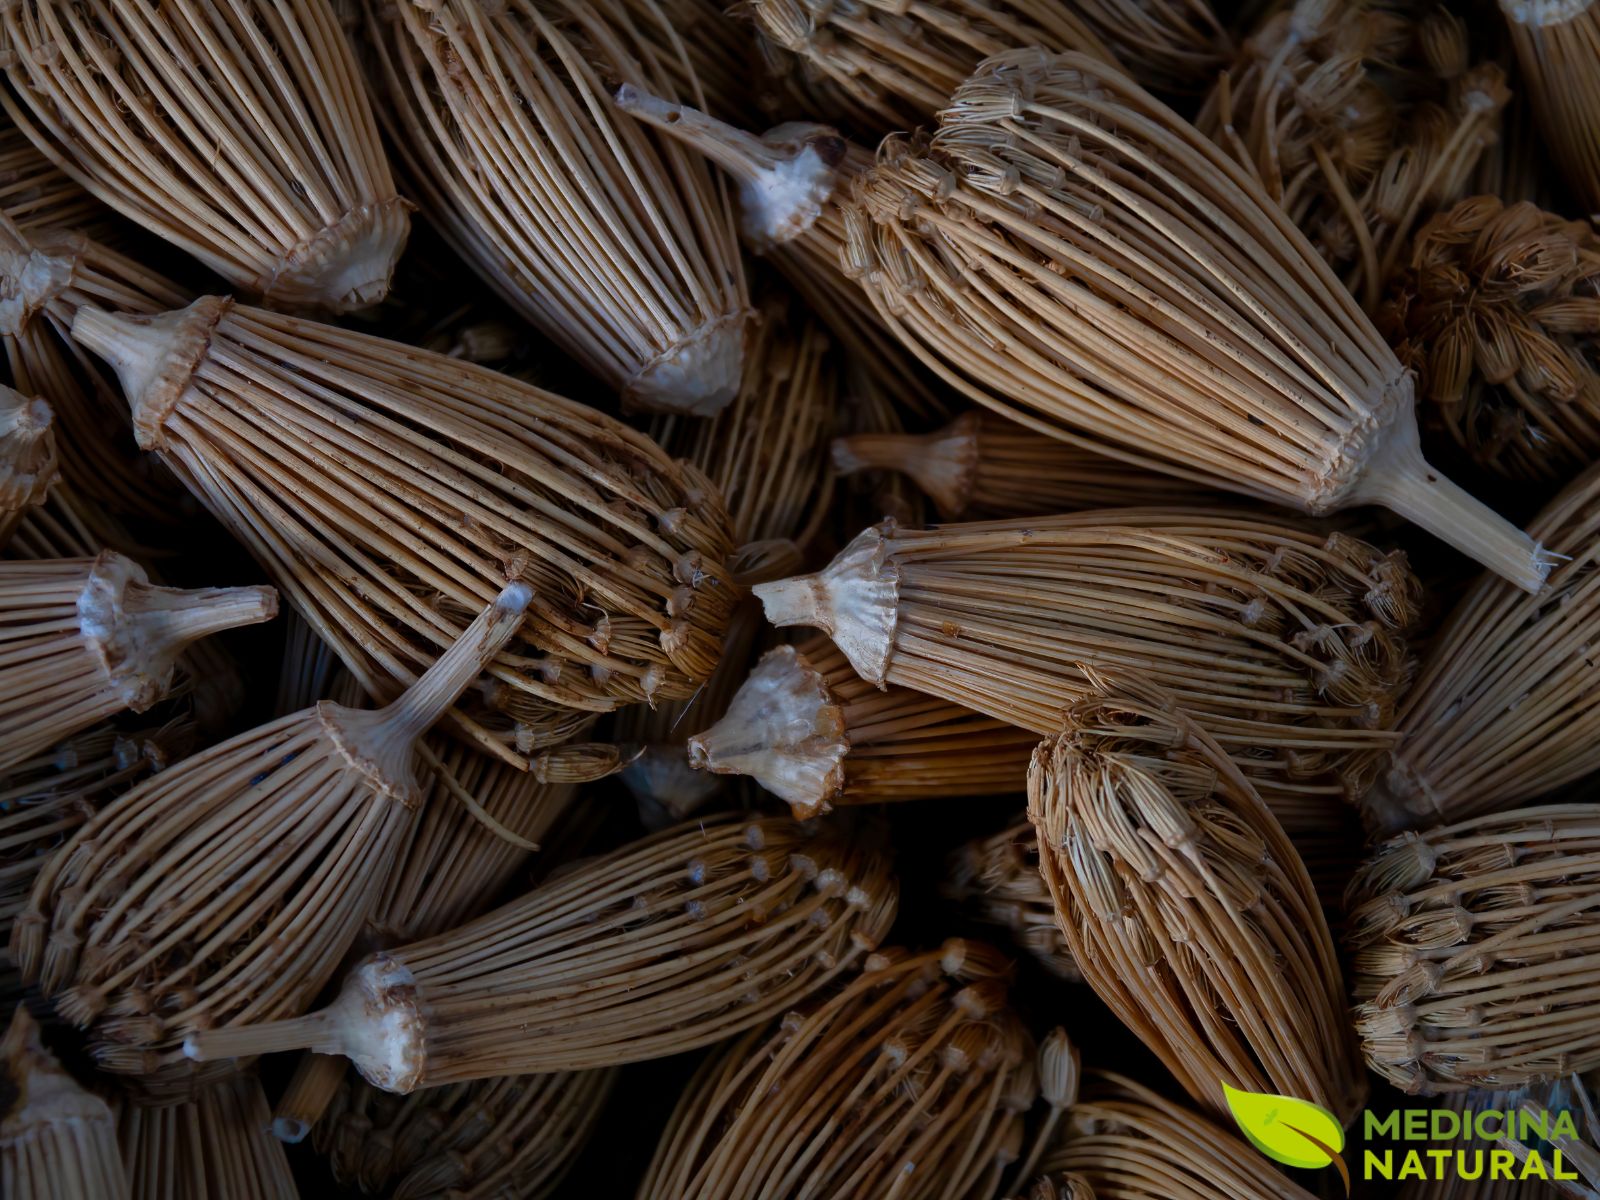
390 491
996 878
238 130
35 193
1186 906
705 50
616 243
28 462
812 732
982 466
905 1083
517 1135
83 638
1360 120
1287 646
1558 49
229 887
679 940
1498 310
1484 1187
56 1138
1069 252
212 1146
1475 950
1504 711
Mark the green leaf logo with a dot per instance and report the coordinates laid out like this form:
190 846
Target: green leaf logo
1294 1132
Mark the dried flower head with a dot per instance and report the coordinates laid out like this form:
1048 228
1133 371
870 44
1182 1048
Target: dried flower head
1558 46
28 463
213 1144
997 879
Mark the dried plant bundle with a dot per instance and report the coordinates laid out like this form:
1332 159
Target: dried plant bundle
1503 711
1499 313
35 193
705 52
517 1135
617 244
56 1139
1070 253
869 496
390 491
28 463
238 130
1288 647
904 1083
229 887
982 465
1558 45
215 1145
812 732
682 939
1473 951
1186 906
83 638
1453 1187
1359 119
997 880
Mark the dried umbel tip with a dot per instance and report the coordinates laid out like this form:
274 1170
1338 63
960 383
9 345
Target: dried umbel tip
239 131
28 464
617 244
679 940
390 491
895 1086
517 1135
215 1144
1499 312
56 1139
1359 120
982 465
1469 946
1069 252
997 880
1289 648
230 886
1186 906
1503 711
807 728
1558 48
83 638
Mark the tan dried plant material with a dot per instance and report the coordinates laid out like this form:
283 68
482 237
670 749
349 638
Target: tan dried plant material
812 732
1503 711
84 638
684 938
56 1139
616 243
983 466
1360 119
229 887
707 52
1472 951
517 1135
1070 253
212 1146
1186 906
37 194
1453 1187
28 462
997 880
911 1081
1558 49
1499 313
1288 647
391 491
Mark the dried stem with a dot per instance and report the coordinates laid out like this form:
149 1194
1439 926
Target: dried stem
1558 47
218 1138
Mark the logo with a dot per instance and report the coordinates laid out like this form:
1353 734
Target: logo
1294 1132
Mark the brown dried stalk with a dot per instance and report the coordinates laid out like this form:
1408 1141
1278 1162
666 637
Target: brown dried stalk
1070 253
1473 951
513 1136
617 244
36 194
83 638
906 1083
682 939
869 496
982 465
1360 120
1499 313
807 728
997 879
709 56
56 1139
229 887
1558 47
1186 906
237 130
215 1145
390 492
28 463
1503 711
1288 647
